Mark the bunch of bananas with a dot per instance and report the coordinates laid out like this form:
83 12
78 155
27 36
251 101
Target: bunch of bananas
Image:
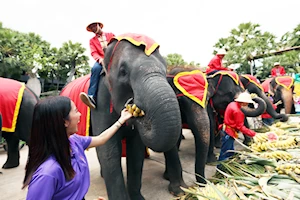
134 110
278 155
287 167
283 125
289 143
260 137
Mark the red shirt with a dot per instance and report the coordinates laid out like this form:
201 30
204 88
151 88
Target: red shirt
277 71
234 121
96 48
215 64
266 115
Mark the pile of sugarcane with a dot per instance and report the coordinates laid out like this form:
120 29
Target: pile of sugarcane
268 169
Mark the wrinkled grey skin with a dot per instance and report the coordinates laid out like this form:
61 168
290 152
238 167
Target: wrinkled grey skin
252 88
285 95
196 117
134 74
22 131
224 93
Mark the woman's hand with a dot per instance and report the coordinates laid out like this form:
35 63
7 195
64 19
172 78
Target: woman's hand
125 115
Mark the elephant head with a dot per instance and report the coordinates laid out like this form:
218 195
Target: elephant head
133 74
253 86
281 88
227 87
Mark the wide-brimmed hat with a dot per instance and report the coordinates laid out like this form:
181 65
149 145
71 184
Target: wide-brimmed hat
276 63
244 97
88 26
221 52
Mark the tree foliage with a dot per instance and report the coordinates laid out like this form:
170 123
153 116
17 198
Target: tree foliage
28 53
176 60
247 40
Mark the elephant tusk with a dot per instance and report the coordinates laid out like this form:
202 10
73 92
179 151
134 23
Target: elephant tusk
128 101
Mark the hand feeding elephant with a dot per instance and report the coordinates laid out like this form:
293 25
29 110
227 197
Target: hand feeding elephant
16 105
253 86
135 69
281 88
191 89
226 86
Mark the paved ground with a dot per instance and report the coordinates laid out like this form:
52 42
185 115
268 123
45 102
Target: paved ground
154 187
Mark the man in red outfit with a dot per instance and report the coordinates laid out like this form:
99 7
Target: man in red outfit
234 122
216 63
98 44
277 70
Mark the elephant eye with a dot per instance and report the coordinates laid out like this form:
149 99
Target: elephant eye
122 71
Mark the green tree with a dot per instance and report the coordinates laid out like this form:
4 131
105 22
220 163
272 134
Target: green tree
245 41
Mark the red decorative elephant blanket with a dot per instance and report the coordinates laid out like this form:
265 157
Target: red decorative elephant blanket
193 85
11 93
72 90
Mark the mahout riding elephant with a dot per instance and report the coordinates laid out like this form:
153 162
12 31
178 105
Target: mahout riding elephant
16 105
281 88
226 86
135 69
191 88
253 86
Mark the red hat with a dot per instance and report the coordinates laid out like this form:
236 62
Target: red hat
88 26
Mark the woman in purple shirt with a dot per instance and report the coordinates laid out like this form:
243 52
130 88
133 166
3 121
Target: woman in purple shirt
57 167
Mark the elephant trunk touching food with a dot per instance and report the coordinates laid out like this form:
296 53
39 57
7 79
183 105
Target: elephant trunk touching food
162 120
254 112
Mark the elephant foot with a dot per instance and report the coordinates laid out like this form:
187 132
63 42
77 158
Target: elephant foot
211 158
137 197
175 190
8 165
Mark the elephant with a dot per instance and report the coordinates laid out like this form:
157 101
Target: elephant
134 69
281 88
253 86
226 86
194 115
26 100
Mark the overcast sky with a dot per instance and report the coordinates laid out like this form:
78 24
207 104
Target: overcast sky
187 27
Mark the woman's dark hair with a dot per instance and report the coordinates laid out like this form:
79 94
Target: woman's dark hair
49 137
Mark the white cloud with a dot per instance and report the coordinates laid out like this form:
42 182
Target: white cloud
189 27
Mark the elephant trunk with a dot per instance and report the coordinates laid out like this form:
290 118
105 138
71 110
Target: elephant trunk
254 112
288 101
270 109
160 128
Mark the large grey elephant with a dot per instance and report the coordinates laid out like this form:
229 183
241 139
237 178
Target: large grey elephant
193 111
23 120
135 69
281 88
253 86
226 86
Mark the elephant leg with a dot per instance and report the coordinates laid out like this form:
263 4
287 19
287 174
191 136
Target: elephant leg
179 141
109 156
211 157
218 141
135 153
173 172
13 154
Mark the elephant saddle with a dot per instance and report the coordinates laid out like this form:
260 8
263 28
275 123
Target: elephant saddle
11 94
253 79
193 85
72 90
285 81
231 74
